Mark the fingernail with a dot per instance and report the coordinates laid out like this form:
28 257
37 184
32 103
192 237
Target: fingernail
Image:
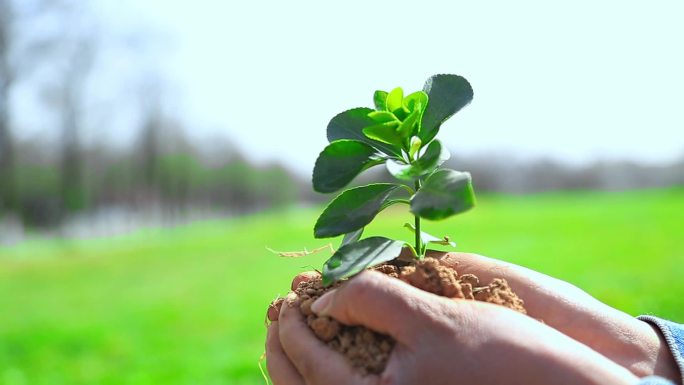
290 298
274 309
322 305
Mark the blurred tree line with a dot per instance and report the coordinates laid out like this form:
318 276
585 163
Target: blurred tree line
506 174
170 176
54 53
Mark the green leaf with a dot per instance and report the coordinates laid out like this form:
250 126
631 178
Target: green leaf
385 133
414 146
353 209
395 100
350 124
340 162
435 154
353 258
429 238
391 202
380 100
352 237
406 128
444 193
447 95
382 117
416 101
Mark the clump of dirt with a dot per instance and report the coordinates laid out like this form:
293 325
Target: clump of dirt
365 349
498 292
369 351
429 275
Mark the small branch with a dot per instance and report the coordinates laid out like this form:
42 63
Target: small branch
419 241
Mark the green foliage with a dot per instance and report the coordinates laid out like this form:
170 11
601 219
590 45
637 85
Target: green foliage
386 133
434 156
399 132
354 209
447 95
350 124
354 257
352 237
445 193
340 162
380 100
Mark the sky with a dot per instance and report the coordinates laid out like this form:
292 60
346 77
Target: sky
573 81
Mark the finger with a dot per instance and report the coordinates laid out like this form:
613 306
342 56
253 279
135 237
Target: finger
379 302
547 298
317 363
485 268
279 367
303 277
523 281
274 309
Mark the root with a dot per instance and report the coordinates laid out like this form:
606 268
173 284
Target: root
303 253
261 369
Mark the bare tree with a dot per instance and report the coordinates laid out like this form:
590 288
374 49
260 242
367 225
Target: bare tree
8 190
152 127
20 51
79 64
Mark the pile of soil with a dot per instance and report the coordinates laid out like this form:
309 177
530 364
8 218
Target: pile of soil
369 351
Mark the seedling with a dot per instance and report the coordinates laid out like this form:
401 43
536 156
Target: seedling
400 133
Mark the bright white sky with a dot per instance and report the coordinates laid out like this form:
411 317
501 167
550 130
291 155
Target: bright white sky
574 81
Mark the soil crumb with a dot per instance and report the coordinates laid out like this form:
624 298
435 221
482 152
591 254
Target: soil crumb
365 349
368 351
498 292
431 276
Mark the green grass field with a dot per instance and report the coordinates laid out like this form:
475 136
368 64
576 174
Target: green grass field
187 305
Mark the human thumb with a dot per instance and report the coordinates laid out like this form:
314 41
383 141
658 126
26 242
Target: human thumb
376 301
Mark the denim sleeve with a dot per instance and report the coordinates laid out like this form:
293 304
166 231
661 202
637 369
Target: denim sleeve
674 337
653 380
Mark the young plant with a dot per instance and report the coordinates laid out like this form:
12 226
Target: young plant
400 133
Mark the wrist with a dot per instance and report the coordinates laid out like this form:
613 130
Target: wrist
633 344
588 367
662 362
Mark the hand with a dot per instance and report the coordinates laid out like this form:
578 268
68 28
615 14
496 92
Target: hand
439 341
629 342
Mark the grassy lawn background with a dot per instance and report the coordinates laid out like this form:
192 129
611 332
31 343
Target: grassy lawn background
187 305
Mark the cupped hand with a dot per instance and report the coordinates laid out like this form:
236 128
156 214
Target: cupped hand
439 341
629 342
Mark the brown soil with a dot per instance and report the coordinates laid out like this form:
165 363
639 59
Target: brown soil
369 351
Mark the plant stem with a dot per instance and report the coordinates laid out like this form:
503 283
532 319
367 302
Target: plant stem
419 242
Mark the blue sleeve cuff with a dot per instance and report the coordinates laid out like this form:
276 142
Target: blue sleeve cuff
674 337
653 380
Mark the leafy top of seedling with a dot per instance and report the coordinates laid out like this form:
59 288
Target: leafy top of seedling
400 133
